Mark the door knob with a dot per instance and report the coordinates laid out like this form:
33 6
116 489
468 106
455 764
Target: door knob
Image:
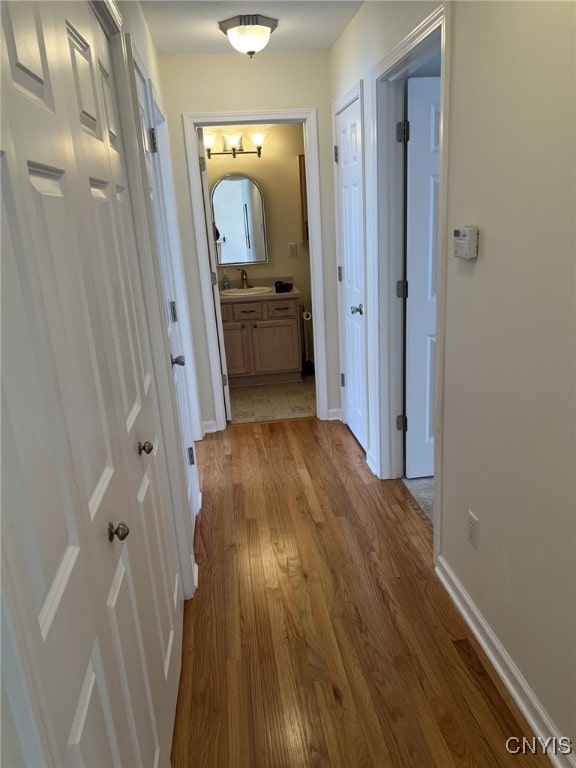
177 360
359 310
146 447
121 531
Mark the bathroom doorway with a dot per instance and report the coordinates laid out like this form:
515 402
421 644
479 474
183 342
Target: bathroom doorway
287 171
260 228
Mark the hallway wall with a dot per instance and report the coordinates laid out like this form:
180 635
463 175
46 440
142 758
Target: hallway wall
509 400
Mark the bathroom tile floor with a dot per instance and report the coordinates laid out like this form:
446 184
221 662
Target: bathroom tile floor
268 402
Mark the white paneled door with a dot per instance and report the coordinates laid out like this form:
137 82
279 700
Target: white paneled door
422 257
350 189
96 623
174 305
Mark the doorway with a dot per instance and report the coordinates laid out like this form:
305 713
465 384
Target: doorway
307 119
257 216
418 55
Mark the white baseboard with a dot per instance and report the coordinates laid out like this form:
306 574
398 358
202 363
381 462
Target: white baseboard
335 414
194 578
520 690
210 426
373 464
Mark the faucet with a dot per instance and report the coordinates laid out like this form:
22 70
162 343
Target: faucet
243 278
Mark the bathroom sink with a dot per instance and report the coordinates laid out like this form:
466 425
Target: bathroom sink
246 291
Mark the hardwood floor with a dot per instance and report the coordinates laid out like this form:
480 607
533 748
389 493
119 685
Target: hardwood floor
319 634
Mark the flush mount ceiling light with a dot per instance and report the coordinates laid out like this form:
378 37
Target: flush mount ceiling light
248 34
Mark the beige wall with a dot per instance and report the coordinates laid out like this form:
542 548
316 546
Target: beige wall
135 25
277 175
509 402
369 37
227 83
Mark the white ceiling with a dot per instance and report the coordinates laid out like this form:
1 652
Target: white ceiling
191 26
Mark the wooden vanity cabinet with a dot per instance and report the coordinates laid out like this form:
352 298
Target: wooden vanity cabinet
262 340
238 348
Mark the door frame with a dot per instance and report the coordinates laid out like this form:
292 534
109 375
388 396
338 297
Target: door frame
308 117
385 211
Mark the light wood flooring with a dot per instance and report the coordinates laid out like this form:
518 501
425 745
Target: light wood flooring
319 634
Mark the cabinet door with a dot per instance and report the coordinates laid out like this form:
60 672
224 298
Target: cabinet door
276 346
238 352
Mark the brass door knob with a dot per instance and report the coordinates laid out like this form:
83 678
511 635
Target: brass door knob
121 531
145 447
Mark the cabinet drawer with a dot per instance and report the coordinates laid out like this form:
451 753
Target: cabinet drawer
247 311
286 308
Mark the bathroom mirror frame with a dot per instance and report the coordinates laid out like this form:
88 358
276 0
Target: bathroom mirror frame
239 221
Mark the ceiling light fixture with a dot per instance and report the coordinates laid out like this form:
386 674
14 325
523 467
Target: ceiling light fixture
248 34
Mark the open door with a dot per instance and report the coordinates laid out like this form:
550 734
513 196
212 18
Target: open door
422 256
211 240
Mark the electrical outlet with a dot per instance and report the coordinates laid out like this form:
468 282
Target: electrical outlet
473 529
292 250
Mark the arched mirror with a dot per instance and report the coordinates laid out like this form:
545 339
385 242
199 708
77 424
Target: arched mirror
238 215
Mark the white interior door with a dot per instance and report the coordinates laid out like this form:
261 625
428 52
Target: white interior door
174 304
350 187
157 578
213 269
422 257
98 622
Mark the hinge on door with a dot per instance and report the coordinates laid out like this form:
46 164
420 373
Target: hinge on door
339 274
202 163
191 459
342 380
402 289
153 141
403 131
173 313
335 153
402 423
214 278
224 380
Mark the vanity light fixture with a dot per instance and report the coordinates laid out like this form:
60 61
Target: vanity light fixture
248 34
232 144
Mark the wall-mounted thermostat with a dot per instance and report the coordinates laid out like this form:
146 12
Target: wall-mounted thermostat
466 243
